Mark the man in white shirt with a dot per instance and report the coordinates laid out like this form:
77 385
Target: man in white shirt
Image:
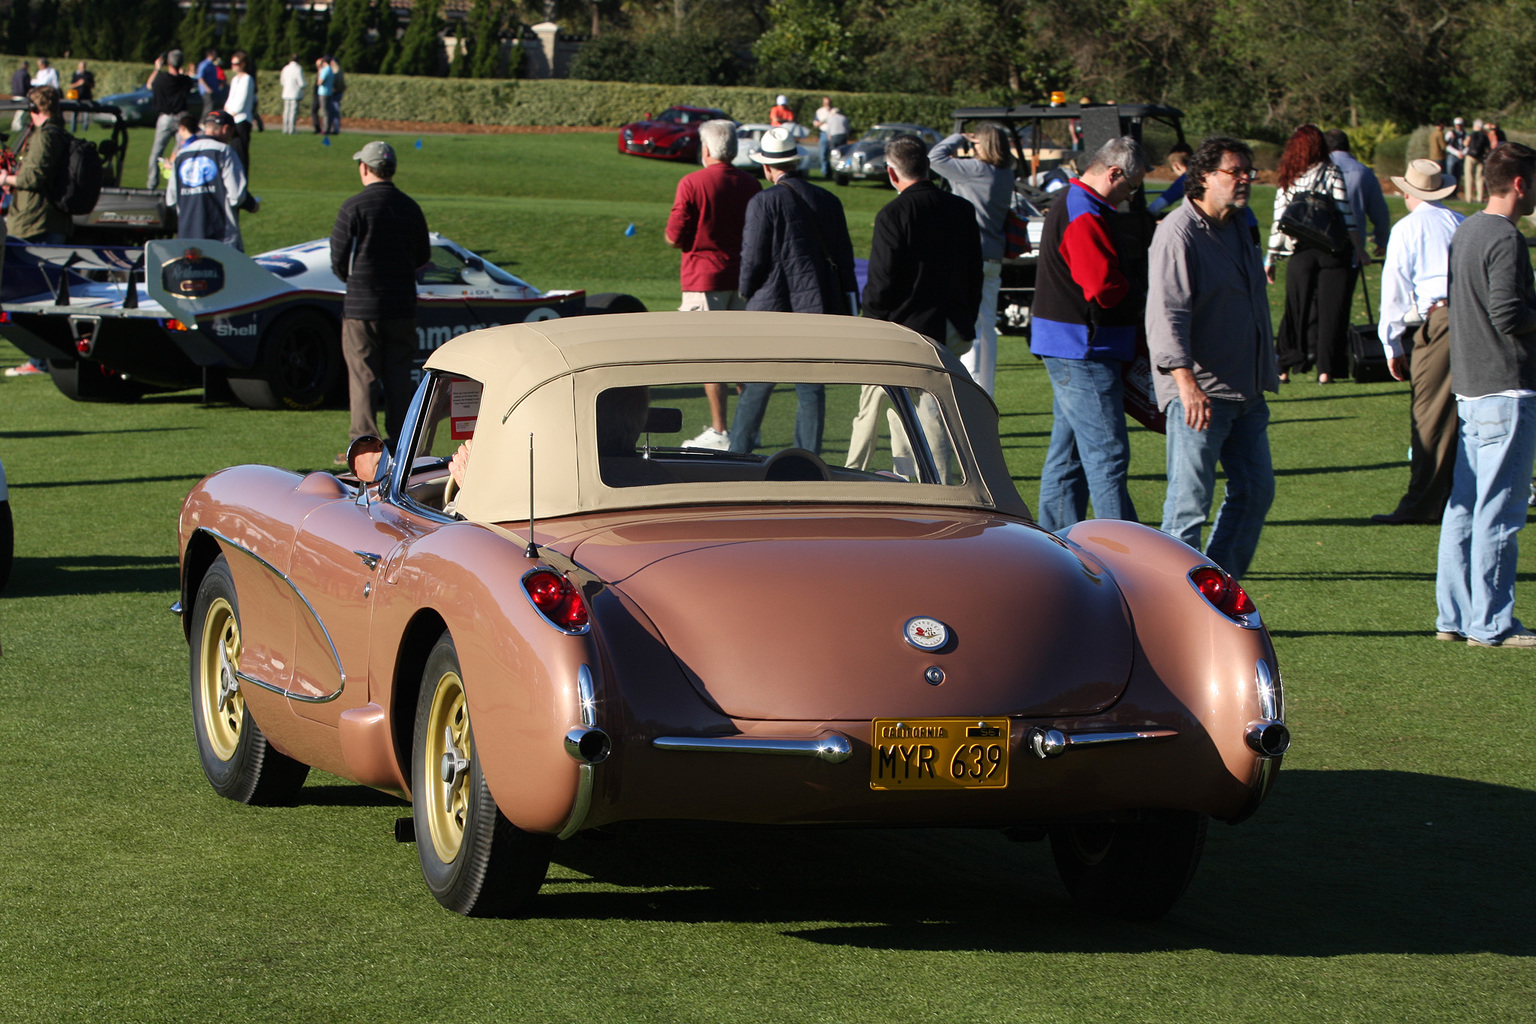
1414 286
292 81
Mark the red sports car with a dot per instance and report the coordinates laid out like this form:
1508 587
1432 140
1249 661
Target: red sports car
671 135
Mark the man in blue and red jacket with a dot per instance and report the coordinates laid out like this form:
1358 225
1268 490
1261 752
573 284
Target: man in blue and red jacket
1088 309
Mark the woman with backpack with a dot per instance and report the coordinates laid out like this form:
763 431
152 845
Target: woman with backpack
1317 277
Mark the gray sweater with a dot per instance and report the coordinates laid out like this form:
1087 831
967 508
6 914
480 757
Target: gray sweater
989 189
1493 308
1207 308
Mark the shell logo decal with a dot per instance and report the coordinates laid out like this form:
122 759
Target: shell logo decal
926 634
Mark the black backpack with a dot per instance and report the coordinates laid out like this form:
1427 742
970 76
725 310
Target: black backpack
82 185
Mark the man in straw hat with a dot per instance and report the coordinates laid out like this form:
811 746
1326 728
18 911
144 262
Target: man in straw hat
796 257
1414 286
1493 375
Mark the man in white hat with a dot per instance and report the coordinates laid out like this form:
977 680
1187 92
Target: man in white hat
796 257
1414 285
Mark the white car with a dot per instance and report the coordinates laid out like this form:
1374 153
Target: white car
749 140
269 325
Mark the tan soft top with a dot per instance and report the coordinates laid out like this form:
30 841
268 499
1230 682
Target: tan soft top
543 378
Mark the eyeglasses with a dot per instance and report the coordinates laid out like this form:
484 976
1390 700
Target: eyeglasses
1245 175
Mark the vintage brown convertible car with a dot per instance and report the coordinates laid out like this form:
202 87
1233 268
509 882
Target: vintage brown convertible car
593 630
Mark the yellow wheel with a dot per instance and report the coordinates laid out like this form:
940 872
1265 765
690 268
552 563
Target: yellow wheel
474 860
235 754
448 749
222 704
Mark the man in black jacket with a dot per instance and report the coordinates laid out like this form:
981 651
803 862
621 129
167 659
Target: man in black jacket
924 273
379 240
796 257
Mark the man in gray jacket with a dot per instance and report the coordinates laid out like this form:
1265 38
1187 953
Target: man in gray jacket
1213 353
1493 374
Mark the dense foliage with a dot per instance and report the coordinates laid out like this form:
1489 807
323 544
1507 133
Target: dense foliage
1257 68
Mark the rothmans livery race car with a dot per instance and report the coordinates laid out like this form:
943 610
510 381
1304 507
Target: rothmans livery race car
114 323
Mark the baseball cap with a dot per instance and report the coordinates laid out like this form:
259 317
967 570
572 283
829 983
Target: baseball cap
376 155
221 118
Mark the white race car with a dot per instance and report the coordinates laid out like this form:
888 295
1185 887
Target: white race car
205 313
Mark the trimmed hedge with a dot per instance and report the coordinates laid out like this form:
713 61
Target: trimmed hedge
557 102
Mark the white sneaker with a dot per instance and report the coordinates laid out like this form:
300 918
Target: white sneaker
711 438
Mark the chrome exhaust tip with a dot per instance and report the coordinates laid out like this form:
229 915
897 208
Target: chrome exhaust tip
1268 738
588 746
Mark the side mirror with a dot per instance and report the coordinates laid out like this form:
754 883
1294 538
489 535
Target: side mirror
368 460
648 116
476 264
663 421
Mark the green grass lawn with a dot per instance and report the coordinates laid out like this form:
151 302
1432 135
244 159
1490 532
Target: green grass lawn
1388 878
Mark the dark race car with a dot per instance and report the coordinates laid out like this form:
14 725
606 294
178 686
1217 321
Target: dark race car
671 135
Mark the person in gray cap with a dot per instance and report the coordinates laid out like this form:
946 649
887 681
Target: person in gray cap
379 240
169 88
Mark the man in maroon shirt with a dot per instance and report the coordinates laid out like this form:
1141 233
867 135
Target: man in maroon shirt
706 223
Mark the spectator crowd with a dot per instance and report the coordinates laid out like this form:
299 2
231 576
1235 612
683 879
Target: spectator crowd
1188 300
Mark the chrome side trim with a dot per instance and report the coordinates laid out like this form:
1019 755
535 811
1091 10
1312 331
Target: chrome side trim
587 693
1271 698
1046 743
336 657
831 747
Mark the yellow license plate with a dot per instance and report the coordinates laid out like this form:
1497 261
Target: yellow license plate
939 753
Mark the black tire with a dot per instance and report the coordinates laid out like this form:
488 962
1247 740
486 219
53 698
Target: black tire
841 179
82 380
474 860
1135 871
298 366
7 543
614 302
236 757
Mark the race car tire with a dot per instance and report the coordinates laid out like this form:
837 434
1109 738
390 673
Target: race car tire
82 380
7 543
841 179
614 302
237 759
473 859
1132 870
298 366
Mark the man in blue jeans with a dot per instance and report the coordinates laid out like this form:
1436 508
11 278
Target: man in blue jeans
1493 375
1087 313
1213 356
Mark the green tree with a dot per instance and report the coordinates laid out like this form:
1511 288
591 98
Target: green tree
195 33
807 48
420 47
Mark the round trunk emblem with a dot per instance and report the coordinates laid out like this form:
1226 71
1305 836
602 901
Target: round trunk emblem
926 634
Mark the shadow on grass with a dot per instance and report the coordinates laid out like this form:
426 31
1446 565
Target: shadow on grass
346 795
1335 396
1337 863
80 575
32 435
1314 470
50 484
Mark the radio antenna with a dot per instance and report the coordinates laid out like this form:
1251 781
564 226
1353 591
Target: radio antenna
532 551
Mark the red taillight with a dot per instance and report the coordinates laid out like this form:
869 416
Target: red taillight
553 595
173 325
1223 591
5 318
